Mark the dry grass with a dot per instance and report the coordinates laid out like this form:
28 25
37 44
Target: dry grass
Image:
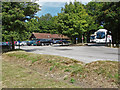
95 74
16 76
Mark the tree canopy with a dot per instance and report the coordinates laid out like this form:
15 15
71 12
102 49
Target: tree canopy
14 15
75 20
110 18
72 21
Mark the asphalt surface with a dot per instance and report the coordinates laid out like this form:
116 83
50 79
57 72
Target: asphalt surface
85 54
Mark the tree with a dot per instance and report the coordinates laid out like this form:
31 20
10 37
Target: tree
33 25
110 18
106 14
14 16
72 21
93 9
43 24
47 24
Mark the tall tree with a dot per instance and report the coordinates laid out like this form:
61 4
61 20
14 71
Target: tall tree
47 24
72 21
110 18
44 24
14 15
93 9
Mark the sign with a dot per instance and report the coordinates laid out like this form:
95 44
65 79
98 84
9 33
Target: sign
108 36
82 37
76 38
19 41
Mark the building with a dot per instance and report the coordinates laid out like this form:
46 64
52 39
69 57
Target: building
48 36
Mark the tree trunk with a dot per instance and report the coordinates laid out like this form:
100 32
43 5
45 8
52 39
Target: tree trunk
13 47
88 37
73 40
79 38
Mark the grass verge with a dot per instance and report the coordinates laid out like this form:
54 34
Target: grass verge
96 74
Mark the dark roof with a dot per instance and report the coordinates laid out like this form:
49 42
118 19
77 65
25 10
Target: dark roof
48 35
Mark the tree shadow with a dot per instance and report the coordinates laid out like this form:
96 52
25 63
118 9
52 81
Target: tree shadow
31 50
10 50
63 49
96 44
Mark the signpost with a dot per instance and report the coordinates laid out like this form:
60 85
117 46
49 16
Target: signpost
76 40
82 38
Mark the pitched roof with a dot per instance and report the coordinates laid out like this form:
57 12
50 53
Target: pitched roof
48 35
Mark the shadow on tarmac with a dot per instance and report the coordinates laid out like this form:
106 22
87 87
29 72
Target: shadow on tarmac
30 50
95 44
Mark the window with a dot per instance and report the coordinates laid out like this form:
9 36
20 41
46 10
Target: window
92 37
100 35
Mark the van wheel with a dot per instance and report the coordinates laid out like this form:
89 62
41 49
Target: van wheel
42 44
51 43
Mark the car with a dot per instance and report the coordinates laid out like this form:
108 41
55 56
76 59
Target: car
15 42
4 43
32 42
41 42
61 42
57 42
65 41
5 46
23 43
8 43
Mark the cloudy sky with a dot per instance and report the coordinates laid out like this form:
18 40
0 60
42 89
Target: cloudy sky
54 6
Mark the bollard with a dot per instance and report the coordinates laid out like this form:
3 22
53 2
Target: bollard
114 45
111 45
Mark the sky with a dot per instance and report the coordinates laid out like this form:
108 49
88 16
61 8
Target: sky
54 6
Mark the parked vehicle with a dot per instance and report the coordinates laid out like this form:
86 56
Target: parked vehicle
93 38
101 36
32 42
57 42
41 42
9 43
15 42
23 43
5 46
61 42
65 42
4 43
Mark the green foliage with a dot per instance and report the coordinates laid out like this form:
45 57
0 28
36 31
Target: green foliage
72 80
67 70
43 24
75 20
72 21
47 24
14 16
34 60
110 18
51 68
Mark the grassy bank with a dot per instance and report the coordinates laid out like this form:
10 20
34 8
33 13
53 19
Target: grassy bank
68 72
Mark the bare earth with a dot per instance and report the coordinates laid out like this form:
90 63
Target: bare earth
18 72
